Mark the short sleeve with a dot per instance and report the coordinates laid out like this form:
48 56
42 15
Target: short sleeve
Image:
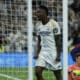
56 27
36 28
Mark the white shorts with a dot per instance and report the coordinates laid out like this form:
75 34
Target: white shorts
47 60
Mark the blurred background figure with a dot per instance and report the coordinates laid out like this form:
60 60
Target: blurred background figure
74 70
74 24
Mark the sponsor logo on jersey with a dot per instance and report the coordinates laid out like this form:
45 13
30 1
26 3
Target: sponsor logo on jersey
45 33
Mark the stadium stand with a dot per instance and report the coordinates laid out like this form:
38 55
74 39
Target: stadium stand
74 23
13 21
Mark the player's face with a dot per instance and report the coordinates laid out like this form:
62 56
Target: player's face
40 14
78 59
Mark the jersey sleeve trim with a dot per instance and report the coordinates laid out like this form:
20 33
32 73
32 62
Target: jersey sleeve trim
56 27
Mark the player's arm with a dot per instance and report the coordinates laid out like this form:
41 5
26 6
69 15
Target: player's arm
38 47
58 41
34 34
58 46
36 29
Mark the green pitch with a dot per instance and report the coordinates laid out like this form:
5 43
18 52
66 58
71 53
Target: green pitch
21 74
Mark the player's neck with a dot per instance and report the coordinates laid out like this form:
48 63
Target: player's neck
45 21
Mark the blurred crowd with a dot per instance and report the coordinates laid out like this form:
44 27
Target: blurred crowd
74 23
13 29
13 22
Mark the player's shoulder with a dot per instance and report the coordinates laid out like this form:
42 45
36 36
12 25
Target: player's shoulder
38 23
53 22
37 27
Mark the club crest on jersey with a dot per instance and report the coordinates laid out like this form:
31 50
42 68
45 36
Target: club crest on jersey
55 30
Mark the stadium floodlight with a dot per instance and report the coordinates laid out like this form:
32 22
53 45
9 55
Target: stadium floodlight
65 40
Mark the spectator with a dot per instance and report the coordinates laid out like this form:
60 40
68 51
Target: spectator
76 6
76 37
75 67
74 24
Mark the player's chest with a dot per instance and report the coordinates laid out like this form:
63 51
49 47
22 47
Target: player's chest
45 30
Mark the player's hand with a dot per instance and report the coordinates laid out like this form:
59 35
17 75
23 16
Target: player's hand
58 59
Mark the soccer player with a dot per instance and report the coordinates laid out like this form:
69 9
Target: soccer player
48 55
72 75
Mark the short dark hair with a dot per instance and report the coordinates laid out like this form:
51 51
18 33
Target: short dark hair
44 7
77 55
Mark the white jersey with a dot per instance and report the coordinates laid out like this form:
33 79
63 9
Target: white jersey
47 33
48 53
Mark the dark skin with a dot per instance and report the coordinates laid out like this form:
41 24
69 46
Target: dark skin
42 16
39 47
59 46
